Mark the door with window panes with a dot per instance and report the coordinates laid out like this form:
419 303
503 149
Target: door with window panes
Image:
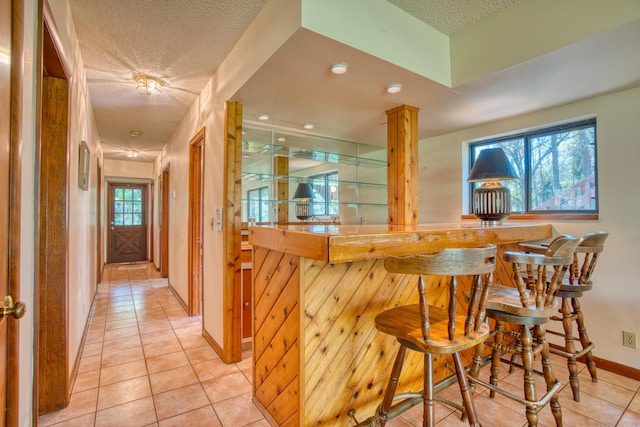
128 235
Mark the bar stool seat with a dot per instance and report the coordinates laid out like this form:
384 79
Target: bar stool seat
432 330
526 308
573 287
401 322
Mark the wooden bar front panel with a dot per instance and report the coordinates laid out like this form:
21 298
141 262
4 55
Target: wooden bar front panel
276 344
317 353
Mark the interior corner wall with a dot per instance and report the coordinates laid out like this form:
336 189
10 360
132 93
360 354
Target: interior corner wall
612 305
82 215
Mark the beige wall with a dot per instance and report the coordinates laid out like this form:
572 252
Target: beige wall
208 111
613 304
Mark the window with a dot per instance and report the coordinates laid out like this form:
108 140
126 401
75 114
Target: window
556 168
325 199
258 204
127 205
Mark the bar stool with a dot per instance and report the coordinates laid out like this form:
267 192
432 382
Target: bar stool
433 330
572 288
527 307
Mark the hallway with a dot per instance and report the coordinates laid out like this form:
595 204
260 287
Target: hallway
145 363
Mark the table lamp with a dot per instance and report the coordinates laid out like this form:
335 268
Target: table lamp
492 201
304 192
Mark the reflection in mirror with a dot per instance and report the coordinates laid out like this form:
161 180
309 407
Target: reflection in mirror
349 180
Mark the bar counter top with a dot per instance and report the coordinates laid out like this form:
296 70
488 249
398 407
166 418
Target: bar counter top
346 243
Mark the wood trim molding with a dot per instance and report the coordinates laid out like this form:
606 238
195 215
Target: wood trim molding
178 298
546 217
608 365
232 238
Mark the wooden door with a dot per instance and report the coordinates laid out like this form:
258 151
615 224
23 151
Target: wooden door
127 219
196 163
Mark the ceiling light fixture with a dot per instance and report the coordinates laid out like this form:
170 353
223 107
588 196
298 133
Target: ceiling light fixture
263 116
339 68
148 85
394 88
132 153
281 139
135 133
309 126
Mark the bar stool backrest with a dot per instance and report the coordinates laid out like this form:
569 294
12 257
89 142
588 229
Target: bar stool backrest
530 271
585 257
452 262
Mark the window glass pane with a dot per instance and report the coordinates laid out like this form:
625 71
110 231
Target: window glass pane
563 171
119 208
128 194
137 194
137 207
556 168
128 220
137 219
118 219
119 194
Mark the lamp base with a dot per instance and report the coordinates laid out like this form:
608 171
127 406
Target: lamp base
491 203
303 213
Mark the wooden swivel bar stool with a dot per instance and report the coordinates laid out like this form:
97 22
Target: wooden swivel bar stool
432 330
572 288
527 307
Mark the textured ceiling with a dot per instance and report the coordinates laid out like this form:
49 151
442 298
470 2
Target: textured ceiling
451 16
183 42
180 42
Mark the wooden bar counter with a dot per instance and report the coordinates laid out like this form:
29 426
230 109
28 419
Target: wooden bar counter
317 355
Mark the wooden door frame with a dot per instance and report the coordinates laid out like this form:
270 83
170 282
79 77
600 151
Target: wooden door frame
99 230
164 222
196 181
53 385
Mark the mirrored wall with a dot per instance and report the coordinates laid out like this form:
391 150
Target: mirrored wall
290 177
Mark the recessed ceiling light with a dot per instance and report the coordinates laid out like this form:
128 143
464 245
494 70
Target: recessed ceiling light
339 68
245 155
135 133
263 116
394 88
309 126
281 139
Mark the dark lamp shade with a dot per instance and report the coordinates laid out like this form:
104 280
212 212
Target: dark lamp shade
492 164
303 191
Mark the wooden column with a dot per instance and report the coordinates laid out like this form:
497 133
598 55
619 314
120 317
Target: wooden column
281 168
232 241
402 171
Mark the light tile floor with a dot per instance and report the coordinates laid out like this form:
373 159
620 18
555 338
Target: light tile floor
145 363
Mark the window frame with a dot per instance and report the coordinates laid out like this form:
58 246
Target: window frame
526 136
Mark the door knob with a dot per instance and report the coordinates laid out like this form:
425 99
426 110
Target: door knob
8 308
